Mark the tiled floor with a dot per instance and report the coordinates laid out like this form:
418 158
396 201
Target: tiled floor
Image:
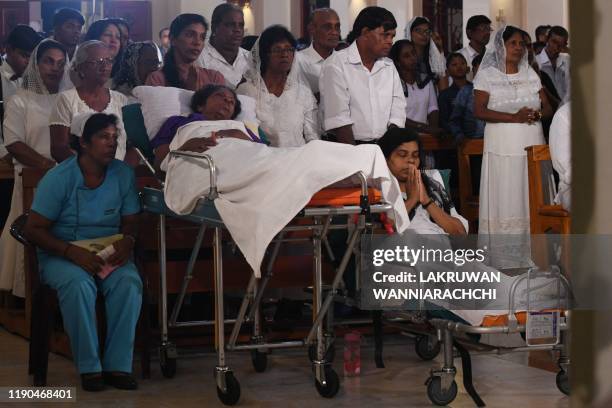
501 382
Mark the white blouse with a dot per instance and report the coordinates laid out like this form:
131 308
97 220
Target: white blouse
69 104
289 120
509 92
26 120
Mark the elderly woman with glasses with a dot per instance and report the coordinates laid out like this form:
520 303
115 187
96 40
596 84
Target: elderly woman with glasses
285 106
92 64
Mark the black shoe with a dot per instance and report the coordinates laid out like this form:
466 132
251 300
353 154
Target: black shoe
122 381
92 382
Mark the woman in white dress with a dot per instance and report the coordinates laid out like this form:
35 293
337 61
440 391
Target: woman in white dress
285 107
26 131
92 63
508 96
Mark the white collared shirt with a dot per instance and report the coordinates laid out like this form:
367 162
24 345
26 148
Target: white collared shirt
210 58
353 95
9 88
559 75
310 63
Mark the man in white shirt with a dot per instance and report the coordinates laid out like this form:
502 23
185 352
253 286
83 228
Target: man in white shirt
361 91
556 64
478 30
222 52
324 30
561 154
20 43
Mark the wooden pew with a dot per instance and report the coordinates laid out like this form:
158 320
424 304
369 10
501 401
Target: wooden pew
468 201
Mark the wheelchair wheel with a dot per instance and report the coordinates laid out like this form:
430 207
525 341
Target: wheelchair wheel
232 393
332 386
563 382
425 350
439 397
259 360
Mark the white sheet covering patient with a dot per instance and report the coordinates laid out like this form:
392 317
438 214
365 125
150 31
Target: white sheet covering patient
262 188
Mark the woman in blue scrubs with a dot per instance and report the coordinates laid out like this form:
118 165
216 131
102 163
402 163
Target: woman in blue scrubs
88 196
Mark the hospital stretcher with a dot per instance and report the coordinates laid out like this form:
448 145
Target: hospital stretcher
316 218
445 331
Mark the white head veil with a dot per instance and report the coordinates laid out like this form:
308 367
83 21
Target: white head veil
437 63
495 55
31 79
253 74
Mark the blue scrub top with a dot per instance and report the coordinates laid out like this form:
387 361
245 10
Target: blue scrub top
79 212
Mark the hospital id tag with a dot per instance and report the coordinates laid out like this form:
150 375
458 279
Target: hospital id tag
542 328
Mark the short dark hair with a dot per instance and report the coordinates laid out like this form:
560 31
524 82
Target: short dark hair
221 11
477 59
94 32
200 97
162 31
454 55
372 18
475 21
48 45
23 37
95 123
541 29
64 14
270 36
558 30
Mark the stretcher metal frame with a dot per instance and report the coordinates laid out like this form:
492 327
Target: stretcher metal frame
446 334
318 338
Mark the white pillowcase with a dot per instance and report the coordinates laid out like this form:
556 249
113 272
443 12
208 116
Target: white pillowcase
158 103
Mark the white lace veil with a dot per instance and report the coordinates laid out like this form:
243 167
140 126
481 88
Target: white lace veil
495 55
253 74
31 79
437 63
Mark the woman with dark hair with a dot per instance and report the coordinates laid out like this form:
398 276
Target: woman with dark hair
187 37
138 61
431 64
509 97
213 102
26 132
285 107
107 31
429 206
92 196
222 51
421 102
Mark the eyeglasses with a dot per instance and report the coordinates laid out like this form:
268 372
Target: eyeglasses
422 31
484 29
282 51
102 62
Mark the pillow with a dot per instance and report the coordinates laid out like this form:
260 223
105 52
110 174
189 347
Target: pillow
161 102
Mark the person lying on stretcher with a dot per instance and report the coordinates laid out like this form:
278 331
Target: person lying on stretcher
213 102
429 207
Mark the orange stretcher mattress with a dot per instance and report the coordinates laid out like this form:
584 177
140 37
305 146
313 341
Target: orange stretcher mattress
502 320
337 197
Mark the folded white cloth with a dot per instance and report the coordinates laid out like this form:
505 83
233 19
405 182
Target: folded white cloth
262 188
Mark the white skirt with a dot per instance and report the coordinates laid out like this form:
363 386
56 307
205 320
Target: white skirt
504 192
12 275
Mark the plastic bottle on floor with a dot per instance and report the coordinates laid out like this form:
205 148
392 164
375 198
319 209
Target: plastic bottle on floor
352 354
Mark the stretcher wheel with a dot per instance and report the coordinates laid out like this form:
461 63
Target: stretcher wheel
563 382
232 394
425 350
168 368
260 360
332 386
330 353
439 397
